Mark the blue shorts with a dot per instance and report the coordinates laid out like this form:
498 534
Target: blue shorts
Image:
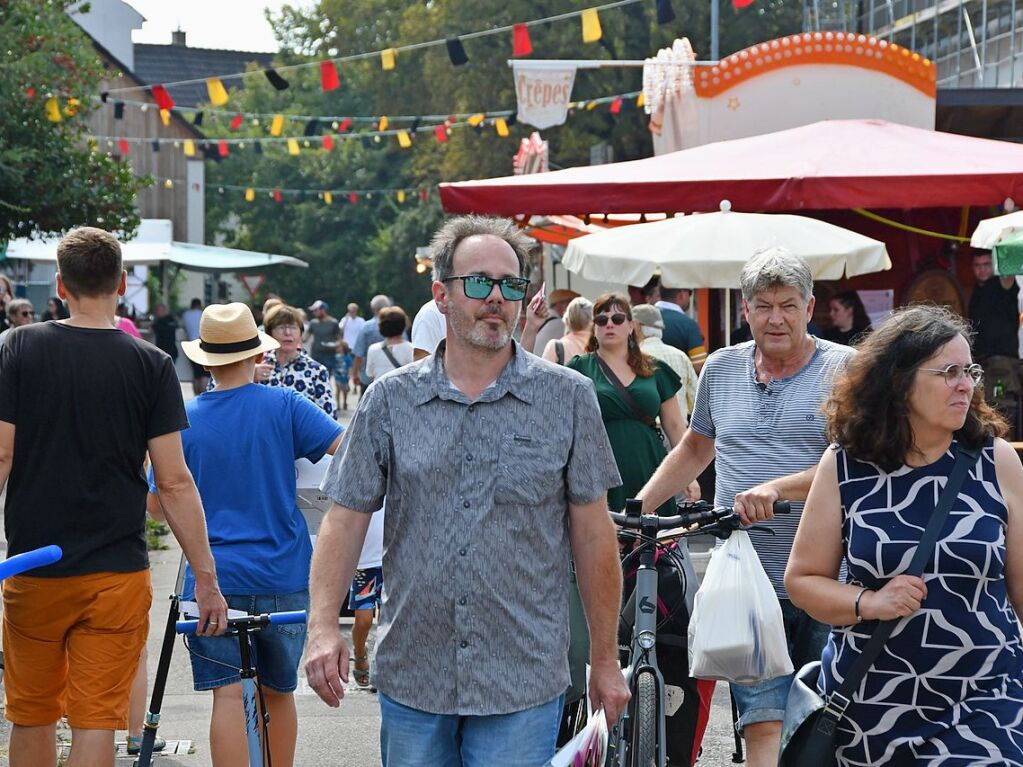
366 587
765 701
276 650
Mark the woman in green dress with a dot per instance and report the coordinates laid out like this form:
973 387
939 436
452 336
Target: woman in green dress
635 439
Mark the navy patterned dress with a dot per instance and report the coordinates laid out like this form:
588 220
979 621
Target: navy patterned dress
948 687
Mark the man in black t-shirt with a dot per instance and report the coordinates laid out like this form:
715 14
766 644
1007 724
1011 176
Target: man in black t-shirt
80 404
994 311
165 331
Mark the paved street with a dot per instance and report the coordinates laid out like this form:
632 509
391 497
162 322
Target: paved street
348 735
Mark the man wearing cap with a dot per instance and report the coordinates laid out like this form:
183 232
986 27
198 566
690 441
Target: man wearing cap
651 325
681 330
496 467
241 449
553 327
80 404
325 332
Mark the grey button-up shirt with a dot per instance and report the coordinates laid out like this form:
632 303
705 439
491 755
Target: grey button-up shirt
474 615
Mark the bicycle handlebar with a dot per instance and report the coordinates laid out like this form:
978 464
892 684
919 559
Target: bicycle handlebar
702 514
248 622
30 560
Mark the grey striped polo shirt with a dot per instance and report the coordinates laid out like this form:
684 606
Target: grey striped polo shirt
761 433
474 615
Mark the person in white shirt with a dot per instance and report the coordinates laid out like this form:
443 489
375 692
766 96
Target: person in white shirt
651 326
394 351
428 329
351 324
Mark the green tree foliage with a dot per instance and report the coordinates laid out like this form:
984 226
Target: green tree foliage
50 180
366 248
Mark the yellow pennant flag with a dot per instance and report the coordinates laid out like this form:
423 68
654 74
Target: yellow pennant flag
404 140
591 25
189 148
591 105
476 119
293 146
328 198
53 110
277 125
501 126
641 100
165 117
383 123
387 58
218 96
401 195
250 194
71 108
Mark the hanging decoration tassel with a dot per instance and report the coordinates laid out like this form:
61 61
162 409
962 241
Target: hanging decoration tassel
329 79
218 95
591 25
521 44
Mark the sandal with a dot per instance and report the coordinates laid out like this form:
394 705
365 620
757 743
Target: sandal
361 675
135 744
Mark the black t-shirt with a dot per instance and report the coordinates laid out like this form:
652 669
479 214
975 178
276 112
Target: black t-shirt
165 329
84 403
994 312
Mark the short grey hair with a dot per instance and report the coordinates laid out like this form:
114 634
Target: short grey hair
379 302
775 267
649 332
15 306
579 314
450 236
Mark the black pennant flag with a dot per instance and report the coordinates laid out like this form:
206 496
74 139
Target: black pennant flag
665 13
118 110
456 52
275 79
258 147
156 146
197 119
312 128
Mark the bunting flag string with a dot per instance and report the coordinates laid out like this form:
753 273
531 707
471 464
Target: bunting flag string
500 120
328 195
521 46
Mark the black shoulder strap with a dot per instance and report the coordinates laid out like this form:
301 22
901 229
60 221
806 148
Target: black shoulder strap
390 356
839 700
559 352
624 393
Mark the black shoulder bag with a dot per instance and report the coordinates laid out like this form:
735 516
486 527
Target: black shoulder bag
391 357
808 732
625 394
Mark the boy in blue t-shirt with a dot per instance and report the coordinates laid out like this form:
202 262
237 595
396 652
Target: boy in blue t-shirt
241 448
343 366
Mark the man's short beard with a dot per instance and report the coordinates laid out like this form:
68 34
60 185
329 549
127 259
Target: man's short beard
468 329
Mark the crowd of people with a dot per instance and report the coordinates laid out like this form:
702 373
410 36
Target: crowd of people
497 467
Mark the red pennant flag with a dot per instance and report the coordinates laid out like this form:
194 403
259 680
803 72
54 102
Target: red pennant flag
163 99
737 4
423 193
277 195
222 149
328 142
616 105
442 133
344 125
31 92
122 145
236 121
521 44
353 197
328 76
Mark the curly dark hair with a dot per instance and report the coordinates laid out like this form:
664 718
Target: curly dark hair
642 364
867 412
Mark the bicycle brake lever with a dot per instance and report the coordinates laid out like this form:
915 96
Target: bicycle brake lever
759 529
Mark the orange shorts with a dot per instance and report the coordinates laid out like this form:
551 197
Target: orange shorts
71 647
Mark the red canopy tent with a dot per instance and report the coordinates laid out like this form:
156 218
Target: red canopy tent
830 165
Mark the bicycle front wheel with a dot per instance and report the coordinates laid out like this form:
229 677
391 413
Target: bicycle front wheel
644 723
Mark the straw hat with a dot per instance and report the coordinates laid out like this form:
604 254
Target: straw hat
227 333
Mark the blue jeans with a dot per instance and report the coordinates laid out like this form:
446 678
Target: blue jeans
765 701
413 738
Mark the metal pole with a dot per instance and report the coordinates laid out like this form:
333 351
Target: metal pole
715 20
1012 46
983 41
959 44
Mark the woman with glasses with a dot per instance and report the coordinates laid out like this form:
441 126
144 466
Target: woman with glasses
948 686
634 391
289 365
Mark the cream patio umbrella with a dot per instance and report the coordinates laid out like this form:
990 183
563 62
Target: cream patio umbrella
709 250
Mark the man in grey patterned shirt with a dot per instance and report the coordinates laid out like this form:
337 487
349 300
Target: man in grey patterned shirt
495 465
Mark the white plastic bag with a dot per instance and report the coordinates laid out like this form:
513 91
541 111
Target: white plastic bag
736 633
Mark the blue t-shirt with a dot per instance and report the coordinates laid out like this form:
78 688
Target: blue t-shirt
241 448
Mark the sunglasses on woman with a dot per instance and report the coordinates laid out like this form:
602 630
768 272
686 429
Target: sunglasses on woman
479 286
603 319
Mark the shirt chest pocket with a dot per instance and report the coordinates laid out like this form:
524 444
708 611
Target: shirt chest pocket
529 470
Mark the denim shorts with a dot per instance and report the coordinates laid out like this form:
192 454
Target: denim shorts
276 650
765 701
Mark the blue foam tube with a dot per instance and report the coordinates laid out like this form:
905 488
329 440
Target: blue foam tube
30 560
